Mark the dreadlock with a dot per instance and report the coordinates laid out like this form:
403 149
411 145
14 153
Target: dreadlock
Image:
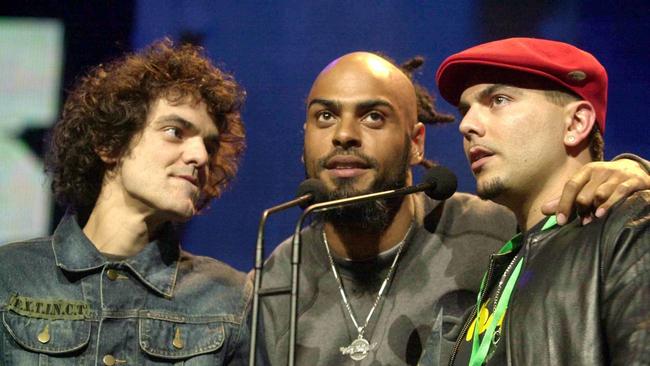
426 102
427 112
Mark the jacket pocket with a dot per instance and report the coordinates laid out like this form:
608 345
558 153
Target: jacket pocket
60 338
180 338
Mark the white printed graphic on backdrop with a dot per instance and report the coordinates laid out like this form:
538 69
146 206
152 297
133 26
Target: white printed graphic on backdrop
30 70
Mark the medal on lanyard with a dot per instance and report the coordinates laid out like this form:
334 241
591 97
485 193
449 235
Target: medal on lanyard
481 348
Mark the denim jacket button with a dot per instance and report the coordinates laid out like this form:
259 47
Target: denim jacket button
178 341
109 360
44 335
111 274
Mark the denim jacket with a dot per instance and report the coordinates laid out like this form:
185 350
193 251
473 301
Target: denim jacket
64 303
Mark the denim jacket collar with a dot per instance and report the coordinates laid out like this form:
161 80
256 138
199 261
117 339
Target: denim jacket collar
156 265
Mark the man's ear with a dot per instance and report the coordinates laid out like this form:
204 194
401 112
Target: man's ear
106 156
417 143
581 117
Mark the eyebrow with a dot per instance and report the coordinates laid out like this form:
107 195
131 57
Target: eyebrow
176 119
370 104
486 93
186 125
364 105
332 104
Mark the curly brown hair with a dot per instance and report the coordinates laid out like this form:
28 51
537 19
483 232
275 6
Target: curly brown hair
108 107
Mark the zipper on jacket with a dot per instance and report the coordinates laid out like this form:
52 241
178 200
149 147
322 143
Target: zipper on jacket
500 284
524 251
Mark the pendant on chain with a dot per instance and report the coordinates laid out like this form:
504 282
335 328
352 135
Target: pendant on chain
358 349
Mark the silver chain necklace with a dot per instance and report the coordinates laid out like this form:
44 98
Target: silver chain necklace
360 347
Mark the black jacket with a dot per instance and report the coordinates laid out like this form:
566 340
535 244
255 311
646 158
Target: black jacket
583 296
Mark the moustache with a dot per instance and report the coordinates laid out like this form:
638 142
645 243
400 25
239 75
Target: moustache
367 160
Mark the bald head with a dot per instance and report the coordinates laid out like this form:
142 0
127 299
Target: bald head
362 135
361 129
365 75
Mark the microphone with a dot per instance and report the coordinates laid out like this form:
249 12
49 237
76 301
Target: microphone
438 183
309 191
442 181
313 191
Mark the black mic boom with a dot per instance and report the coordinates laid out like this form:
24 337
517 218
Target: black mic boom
309 191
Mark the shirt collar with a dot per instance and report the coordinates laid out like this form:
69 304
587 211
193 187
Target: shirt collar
156 265
542 227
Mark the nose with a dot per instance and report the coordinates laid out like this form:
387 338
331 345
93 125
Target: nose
347 133
471 124
195 152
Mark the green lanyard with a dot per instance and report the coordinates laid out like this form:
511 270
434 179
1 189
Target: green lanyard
480 348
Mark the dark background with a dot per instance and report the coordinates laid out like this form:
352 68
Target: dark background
276 49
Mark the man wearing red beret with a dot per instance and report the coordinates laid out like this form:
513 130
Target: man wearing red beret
533 115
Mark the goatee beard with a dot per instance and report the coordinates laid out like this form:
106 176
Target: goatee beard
372 216
491 189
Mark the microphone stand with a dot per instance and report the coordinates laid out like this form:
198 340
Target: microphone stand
295 247
259 266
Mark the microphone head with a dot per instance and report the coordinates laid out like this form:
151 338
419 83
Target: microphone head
443 182
315 188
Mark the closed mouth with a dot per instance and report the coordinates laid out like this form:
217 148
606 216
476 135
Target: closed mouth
190 179
478 152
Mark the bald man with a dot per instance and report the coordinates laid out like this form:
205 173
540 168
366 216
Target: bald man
376 278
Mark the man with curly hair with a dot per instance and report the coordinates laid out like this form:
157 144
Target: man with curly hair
144 142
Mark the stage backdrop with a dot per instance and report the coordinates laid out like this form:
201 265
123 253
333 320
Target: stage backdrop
276 49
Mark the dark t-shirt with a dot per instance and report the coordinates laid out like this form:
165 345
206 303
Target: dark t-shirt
436 276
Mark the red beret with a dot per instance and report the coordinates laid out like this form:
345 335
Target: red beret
561 63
